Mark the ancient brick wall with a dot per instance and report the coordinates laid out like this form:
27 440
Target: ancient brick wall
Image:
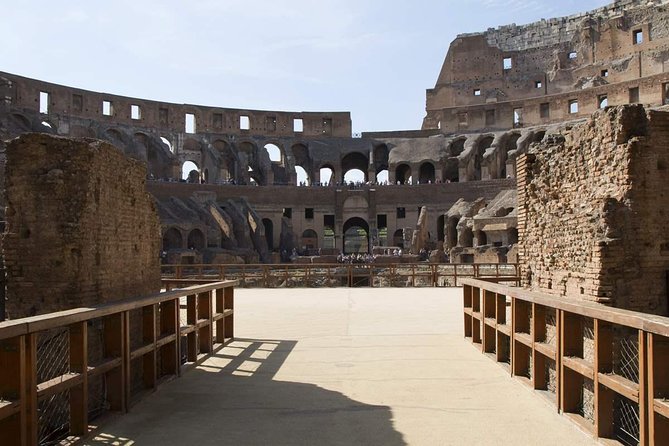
593 211
81 228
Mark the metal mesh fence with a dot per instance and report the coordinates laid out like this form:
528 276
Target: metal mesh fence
625 421
53 353
587 406
626 353
551 327
589 340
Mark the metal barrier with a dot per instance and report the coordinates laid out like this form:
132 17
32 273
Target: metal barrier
342 275
605 368
140 344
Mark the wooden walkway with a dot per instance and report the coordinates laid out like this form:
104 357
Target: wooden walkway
345 367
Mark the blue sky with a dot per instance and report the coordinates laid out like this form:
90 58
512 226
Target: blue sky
373 58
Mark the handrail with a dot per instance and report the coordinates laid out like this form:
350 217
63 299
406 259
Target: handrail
342 274
147 328
634 319
618 357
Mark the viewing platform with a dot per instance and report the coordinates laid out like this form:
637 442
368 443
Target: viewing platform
344 366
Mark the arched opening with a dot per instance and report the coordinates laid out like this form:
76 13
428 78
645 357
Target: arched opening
172 239
403 174
398 238
326 174
269 233
452 232
426 174
354 176
167 143
467 237
451 172
302 176
513 236
355 161
356 236
190 172
481 238
483 145
458 146
382 177
309 240
441 221
196 240
275 153
511 144
21 122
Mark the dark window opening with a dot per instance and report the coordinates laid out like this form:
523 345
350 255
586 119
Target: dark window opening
605 73
77 103
309 213
634 95
545 110
538 84
489 117
329 221
218 120
381 221
288 212
517 117
270 123
637 36
401 213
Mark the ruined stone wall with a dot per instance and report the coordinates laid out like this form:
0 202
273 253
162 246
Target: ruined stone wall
81 228
516 76
593 211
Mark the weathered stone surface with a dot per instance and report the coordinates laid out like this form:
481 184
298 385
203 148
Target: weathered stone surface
593 201
81 228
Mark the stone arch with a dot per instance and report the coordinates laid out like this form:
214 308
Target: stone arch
452 232
269 233
381 155
275 153
483 144
227 161
403 173
481 238
326 173
398 238
441 232
466 237
21 122
426 173
196 240
510 145
356 235
354 161
172 239
457 146
190 171
309 239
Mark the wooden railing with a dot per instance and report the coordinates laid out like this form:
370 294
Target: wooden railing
605 368
341 275
144 350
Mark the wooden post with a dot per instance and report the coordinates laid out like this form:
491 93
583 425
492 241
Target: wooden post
30 391
645 405
538 336
79 364
169 325
230 305
149 360
603 364
204 305
191 319
12 387
114 327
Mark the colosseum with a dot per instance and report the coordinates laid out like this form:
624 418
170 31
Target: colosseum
498 92
544 150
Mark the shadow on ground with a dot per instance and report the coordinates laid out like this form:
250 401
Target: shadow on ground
232 399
